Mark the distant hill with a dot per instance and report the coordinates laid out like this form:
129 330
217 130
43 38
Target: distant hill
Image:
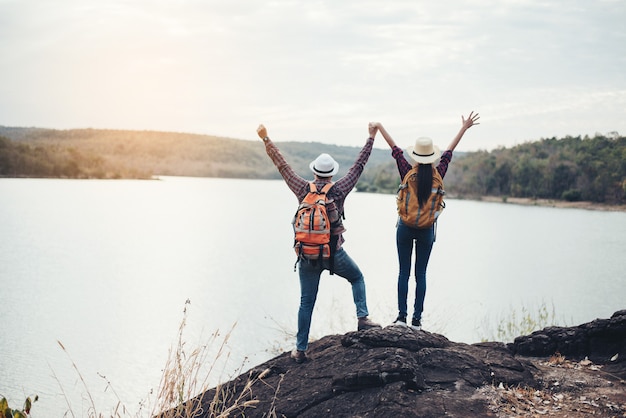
570 168
102 153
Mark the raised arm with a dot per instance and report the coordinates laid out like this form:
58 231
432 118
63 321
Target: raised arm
385 134
346 183
295 183
465 125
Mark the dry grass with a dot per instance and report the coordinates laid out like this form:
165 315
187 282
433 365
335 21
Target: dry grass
573 389
182 379
184 382
522 322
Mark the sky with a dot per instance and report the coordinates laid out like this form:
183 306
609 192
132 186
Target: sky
318 70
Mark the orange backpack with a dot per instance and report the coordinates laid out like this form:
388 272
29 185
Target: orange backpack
409 210
311 225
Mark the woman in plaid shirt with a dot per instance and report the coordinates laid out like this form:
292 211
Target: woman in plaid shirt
422 238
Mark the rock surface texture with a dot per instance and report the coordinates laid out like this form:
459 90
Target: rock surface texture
399 372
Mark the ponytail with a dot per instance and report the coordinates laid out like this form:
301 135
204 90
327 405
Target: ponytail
424 182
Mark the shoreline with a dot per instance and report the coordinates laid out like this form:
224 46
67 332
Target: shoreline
526 201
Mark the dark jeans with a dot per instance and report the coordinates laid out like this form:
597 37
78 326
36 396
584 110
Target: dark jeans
423 239
310 273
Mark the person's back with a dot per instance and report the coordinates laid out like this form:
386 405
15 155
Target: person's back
413 231
324 167
420 196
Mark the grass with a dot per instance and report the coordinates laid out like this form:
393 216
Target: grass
522 322
586 397
181 379
183 384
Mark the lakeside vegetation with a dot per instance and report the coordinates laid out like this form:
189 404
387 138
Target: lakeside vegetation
570 169
566 169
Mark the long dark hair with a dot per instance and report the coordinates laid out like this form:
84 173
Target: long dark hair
424 182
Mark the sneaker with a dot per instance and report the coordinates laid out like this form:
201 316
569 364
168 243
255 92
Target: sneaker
366 323
400 320
299 356
416 324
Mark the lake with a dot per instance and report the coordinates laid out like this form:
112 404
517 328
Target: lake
106 268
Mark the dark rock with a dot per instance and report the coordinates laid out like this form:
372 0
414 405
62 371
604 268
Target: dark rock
399 372
599 340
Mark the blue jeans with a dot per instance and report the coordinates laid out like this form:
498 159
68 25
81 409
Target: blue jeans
310 272
423 239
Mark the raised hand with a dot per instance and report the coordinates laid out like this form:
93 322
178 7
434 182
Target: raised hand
384 133
466 124
261 131
372 129
470 121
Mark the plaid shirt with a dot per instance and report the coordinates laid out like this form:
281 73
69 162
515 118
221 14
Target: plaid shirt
338 193
404 166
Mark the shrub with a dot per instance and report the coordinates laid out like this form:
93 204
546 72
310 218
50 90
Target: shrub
572 195
6 411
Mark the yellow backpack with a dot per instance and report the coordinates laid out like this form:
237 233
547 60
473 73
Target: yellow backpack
409 210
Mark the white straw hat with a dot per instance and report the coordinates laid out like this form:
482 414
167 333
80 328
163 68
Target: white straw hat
424 152
324 166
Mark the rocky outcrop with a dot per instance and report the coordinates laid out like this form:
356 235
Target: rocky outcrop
399 372
599 340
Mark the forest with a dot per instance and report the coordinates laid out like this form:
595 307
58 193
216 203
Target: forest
571 168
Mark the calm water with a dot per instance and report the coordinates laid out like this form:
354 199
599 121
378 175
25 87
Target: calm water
105 268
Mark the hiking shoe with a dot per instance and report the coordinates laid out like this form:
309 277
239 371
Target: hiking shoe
400 320
416 324
299 356
366 323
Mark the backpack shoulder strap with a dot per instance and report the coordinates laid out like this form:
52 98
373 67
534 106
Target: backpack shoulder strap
409 173
326 188
404 183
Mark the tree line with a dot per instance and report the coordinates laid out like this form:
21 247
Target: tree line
571 168
27 160
101 153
